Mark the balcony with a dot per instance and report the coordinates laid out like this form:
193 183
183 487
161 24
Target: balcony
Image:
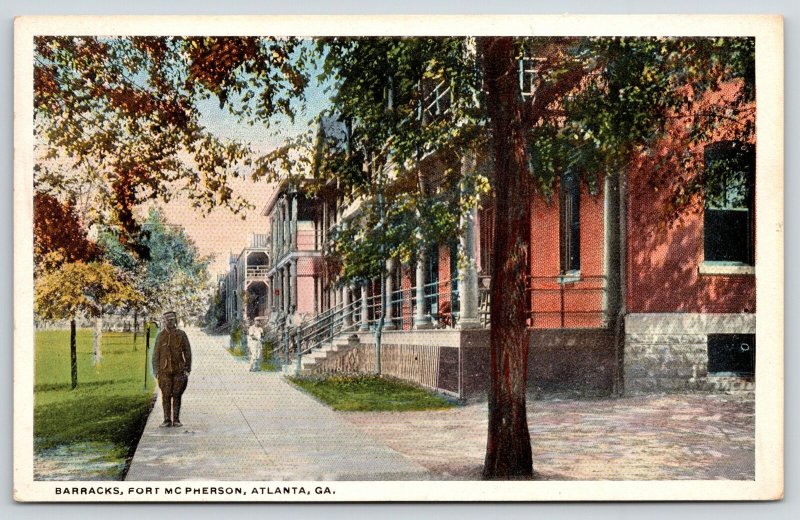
259 240
257 272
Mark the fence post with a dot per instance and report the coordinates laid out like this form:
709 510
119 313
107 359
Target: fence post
298 338
146 351
286 344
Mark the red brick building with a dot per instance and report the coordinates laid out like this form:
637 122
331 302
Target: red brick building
642 282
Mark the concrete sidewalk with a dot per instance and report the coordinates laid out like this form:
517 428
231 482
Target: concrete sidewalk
242 425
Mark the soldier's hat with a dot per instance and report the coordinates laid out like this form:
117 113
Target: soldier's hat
169 314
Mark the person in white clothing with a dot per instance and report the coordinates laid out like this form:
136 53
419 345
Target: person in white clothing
255 335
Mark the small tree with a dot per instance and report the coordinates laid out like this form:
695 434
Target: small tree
76 289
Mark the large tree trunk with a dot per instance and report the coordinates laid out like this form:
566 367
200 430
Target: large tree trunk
97 336
73 354
508 449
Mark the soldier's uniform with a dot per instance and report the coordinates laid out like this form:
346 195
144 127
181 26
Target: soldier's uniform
172 362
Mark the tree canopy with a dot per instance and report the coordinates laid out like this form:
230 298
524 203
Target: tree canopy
587 106
79 288
173 276
58 234
117 121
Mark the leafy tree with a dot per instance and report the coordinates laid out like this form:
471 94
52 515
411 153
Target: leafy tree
117 123
58 235
81 289
594 105
172 276
610 99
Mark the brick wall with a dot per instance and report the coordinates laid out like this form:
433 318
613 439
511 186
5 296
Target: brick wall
563 362
665 247
582 299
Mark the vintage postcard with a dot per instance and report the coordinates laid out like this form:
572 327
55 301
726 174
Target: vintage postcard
457 258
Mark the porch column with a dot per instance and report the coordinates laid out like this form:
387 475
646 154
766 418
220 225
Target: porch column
285 227
293 284
347 319
293 224
270 285
421 318
324 230
364 308
285 291
468 270
388 323
272 235
281 226
316 295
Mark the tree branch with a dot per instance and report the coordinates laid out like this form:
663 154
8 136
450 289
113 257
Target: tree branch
536 109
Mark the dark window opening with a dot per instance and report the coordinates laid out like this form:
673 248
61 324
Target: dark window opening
732 354
396 298
486 217
454 300
729 224
432 280
570 223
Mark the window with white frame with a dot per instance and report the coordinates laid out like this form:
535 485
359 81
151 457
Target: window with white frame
729 209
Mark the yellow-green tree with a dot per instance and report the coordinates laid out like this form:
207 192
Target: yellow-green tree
81 289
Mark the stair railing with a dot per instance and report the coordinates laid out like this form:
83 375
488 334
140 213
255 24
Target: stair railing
325 327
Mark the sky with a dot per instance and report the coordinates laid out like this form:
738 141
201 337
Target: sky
221 232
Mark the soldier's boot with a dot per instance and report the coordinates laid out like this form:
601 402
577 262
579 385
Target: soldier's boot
167 420
176 411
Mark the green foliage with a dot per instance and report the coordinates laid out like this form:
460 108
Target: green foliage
269 353
632 89
107 411
599 101
236 333
380 87
370 394
172 275
78 288
216 311
237 351
118 123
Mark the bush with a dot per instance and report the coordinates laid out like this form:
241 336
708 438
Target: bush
236 334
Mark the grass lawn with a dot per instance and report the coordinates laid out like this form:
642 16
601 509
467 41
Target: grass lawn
88 433
370 393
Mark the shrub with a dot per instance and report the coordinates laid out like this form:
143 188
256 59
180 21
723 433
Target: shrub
236 333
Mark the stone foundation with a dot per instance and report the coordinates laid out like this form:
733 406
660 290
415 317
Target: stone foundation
669 352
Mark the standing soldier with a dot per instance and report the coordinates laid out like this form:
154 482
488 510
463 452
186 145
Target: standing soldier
172 362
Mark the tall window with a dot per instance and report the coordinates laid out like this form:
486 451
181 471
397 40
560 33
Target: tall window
454 299
396 298
486 216
570 224
432 279
729 223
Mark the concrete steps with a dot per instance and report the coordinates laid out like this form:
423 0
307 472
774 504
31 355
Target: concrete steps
313 359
